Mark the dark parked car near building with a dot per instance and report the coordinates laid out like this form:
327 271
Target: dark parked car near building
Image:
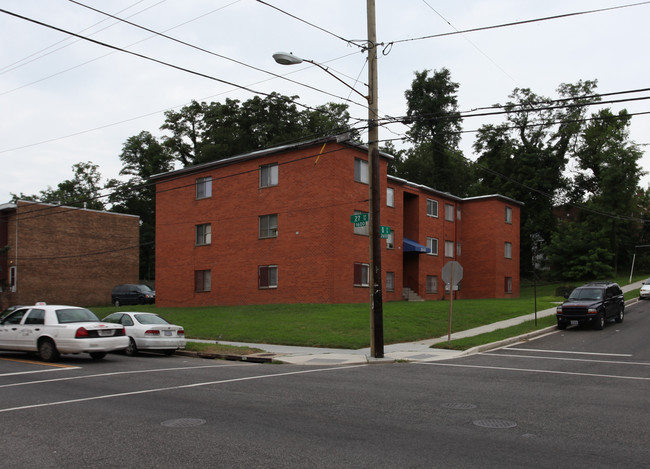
132 294
594 303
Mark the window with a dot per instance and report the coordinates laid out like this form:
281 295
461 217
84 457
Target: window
449 212
269 175
390 240
202 280
449 249
361 170
361 229
508 250
269 226
36 316
508 285
432 284
390 197
361 274
432 244
458 249
432 208
203 234
13 271
509 215
204 188
390 281
267 276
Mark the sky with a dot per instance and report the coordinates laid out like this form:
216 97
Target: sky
67 100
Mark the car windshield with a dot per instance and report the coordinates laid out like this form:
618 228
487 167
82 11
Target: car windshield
150 319
67 315
586 294
144 288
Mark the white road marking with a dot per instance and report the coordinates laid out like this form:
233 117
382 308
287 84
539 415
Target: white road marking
172 388
39 371
566 359
532 370
569 352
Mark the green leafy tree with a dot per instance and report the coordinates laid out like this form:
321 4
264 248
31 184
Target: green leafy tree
435 159
142 157
83 190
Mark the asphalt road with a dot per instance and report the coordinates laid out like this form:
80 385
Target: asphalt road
574 398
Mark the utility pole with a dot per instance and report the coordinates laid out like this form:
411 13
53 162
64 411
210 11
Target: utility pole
376 296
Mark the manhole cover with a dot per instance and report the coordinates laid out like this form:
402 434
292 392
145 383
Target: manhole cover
183 423
458 405
494 423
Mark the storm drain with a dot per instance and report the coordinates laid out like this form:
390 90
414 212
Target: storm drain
495 423
458 405
183 423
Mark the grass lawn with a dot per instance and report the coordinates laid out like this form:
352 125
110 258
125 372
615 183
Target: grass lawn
344 325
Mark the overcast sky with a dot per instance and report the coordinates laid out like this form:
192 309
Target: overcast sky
65 100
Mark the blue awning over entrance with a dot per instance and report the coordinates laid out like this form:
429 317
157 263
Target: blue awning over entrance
412 246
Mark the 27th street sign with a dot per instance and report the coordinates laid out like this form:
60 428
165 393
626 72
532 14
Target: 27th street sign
360 219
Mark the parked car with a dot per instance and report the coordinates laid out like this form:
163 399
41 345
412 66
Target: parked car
644 292
132 294
9 310
594 303
52 330
148 331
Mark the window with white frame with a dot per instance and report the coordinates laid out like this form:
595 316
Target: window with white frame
390 281
269 226
269 175
432 284
203 234
390 197
204 187
202 280
449 212
361 170
267 276
507 286
361 274
449 249
390 240
432 208
509 215
508 250
432 244
362 229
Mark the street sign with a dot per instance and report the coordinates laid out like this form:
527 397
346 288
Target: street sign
359 219
385 231
452 272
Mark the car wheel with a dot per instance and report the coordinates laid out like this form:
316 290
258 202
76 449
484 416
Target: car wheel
47 350
97 355
561 325
600 321
116 303
169 352
132 349
620 315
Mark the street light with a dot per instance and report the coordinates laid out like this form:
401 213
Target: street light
376 302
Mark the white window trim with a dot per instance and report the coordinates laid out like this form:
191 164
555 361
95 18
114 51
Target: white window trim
434 202
429 243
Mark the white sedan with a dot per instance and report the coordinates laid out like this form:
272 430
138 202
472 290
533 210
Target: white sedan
148 331
52 330
644 292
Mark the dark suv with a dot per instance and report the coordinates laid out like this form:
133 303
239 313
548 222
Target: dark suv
594 303
132 294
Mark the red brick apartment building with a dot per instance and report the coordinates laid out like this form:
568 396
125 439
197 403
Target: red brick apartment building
274 226
65 255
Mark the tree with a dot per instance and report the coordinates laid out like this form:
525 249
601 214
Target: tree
435 124
82 191
203 132
142 157
525 158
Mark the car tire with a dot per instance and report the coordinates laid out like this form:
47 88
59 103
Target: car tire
97 355
47 350
561 325
621 315
599 324
132 349
116 303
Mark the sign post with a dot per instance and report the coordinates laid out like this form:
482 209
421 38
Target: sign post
452 274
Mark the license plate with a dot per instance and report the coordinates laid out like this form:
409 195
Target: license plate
106 332
168 333
574 323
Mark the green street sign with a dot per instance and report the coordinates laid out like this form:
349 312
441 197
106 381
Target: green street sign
385 231
359 219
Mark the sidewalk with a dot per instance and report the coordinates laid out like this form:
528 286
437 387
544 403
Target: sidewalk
410 351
